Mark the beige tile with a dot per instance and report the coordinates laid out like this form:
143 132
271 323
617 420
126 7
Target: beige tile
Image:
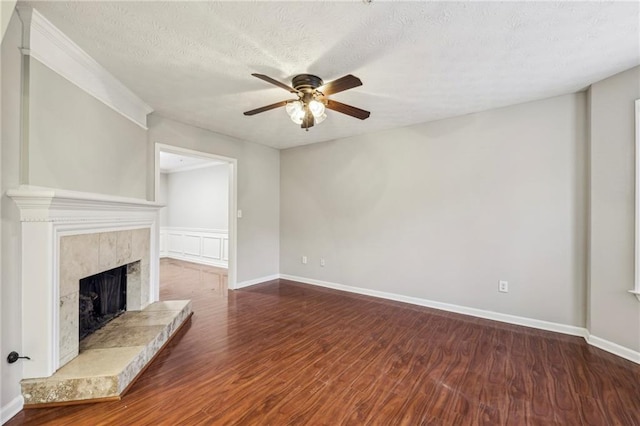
68 339
99 362
108 242
134 286
123 247
79 258
146 318
145 281
140 243
121 337
168 305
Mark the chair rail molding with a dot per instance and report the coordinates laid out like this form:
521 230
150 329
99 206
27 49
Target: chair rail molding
45 42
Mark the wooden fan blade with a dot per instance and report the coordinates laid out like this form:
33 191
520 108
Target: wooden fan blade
275 82
347 109
308 120
266 108
340 85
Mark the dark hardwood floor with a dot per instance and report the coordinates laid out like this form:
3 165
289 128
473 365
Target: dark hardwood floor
286 353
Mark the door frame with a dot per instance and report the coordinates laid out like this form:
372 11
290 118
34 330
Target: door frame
233 198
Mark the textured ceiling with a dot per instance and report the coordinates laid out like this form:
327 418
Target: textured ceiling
419 61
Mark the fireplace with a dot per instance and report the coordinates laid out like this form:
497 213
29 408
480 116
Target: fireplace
102 298
68 236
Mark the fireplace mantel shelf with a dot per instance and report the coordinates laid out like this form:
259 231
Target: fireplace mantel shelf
41 204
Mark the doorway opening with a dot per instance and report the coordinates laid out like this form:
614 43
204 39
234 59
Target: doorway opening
198 225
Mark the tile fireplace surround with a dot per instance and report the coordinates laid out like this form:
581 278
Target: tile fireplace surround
89 254
68 235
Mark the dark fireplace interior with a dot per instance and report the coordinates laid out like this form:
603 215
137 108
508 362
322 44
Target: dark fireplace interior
102 298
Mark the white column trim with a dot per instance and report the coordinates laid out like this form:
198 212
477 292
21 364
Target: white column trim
636 291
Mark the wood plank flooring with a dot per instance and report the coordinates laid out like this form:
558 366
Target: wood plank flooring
284 353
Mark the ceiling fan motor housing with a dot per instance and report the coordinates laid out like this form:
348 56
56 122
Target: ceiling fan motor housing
306 82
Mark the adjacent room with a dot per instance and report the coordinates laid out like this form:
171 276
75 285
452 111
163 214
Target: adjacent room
355 212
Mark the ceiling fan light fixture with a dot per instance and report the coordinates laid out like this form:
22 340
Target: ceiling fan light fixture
293 106
297 118
317 109
309 109
295 109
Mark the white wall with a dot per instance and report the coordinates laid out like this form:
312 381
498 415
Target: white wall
258 190
197 215
162 198
614 313
6 11
77 142
443 210
198 198
10 291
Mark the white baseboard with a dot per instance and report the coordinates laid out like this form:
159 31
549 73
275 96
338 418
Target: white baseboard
605 345
613 348
255 281
198 260
480 313
11 409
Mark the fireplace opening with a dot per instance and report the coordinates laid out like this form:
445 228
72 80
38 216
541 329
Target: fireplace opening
102 298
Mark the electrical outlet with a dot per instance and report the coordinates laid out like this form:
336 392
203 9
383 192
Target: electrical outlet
503 287
304 259
322 261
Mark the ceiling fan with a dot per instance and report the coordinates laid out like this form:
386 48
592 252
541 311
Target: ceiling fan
309 106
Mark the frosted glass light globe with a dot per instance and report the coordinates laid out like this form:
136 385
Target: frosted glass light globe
316 108
297 116
293 107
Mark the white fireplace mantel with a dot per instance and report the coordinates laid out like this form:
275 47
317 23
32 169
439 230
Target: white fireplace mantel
39 204
48 215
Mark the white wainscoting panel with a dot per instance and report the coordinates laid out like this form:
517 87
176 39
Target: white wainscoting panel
192 245
175 243
211 247
205 246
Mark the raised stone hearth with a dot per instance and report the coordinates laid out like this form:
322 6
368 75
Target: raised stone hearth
111 358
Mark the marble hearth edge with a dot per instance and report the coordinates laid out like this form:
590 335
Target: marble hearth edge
111 358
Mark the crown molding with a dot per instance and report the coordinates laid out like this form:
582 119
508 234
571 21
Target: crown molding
46 43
